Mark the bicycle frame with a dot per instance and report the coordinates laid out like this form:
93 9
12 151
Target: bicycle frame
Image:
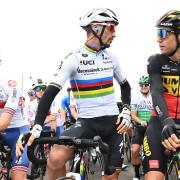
173 168
81 147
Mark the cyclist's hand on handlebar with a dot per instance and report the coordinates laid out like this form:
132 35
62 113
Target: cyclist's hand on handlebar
27 138
124 120
21 142
19 146
169 139
35 133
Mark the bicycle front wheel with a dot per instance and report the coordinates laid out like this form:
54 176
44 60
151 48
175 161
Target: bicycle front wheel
127 147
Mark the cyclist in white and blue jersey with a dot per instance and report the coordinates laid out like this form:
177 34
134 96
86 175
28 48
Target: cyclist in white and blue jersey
91 70
12 124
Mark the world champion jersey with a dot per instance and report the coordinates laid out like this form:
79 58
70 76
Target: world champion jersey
91 76
143 105
10 102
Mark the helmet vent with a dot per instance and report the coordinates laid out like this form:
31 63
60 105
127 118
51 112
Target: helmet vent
104 14
89 15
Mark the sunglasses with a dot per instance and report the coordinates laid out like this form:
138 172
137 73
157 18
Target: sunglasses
143 85
40 88
110 27
163 33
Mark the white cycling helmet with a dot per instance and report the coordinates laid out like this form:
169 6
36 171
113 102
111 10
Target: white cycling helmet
38 82
98 15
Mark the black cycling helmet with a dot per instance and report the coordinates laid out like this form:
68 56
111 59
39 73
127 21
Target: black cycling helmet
171 20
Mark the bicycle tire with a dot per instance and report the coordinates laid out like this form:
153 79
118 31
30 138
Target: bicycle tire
38 170
127 147
172 170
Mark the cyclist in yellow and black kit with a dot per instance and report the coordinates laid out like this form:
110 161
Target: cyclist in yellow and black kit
164 74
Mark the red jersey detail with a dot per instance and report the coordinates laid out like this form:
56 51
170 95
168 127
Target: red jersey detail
173 109
153 164
2 104
12 83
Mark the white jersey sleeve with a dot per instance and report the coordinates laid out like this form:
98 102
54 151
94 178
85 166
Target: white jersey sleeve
66 69
10 101
14 94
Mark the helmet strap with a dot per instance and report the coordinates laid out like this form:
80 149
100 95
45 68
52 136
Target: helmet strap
102 45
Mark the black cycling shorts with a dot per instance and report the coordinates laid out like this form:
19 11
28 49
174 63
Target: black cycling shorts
138 135
155 159
105 127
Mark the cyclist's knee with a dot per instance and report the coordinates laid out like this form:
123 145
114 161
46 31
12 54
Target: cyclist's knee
135 149
113 176
59 156
155 175
16 175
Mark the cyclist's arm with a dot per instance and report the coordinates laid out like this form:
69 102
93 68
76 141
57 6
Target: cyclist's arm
5 120
74 112
63 114
45 103
125 92
63 110
156 87
134 117
53 121
65 70
11 105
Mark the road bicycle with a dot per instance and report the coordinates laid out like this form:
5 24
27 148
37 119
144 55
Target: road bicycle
80 167
127 146
41 151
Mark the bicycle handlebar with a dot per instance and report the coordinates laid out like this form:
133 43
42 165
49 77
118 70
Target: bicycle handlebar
67 141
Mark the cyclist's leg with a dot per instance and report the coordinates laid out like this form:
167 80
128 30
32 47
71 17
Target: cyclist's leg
59 155
115 142
137 141
155 161
20 168
57 159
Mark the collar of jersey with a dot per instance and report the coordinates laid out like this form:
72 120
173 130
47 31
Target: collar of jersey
90 49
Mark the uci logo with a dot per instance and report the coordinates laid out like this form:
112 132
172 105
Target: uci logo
87 62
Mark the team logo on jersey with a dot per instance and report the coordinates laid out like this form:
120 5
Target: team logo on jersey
87 62
12 83
166 68
60 65
84 55
171 84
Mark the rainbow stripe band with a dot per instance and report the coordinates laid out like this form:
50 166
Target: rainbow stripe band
92 88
